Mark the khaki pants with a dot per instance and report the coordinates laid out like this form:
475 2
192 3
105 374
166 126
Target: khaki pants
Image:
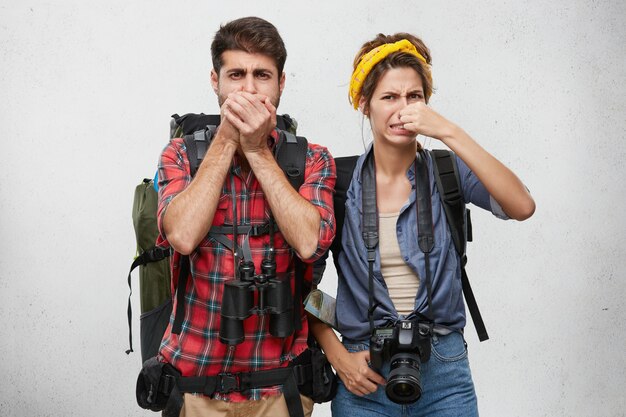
274 406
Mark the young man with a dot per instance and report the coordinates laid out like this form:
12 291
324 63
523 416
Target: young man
240 183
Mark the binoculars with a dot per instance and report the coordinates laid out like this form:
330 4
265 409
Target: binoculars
274 298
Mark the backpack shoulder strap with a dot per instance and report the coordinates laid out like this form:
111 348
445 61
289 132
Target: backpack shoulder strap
197 145
345 166
290 155
457 215
449 187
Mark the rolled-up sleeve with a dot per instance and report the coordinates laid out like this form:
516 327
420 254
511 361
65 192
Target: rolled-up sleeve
174 177
318 189
475 192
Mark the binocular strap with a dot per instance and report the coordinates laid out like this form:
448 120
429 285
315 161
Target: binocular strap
244 249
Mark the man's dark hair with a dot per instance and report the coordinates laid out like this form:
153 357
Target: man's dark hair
252 35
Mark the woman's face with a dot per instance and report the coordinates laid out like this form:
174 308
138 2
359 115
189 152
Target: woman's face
397 88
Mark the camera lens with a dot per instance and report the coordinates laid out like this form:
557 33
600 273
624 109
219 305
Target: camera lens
403 383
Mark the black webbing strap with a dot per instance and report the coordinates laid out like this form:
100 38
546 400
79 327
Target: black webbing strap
425 234
290 155
251 230
369 228
459 223
154 254
244 381
197 144
449 187
299 271
233 198
292 397
289 377
473 307
244 252
219 233
181 288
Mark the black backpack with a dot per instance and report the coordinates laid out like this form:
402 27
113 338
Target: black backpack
457 216
197 130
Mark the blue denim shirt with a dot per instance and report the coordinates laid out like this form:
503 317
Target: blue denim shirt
445 265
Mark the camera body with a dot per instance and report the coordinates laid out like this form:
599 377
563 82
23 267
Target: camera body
274 298
407 344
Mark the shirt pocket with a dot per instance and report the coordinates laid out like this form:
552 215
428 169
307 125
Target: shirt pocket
223 211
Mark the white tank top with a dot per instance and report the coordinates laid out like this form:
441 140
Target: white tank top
401 281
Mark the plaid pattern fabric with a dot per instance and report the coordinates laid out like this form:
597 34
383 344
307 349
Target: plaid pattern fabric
197 351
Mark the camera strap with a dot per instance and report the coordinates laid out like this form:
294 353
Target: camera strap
425 234
369 229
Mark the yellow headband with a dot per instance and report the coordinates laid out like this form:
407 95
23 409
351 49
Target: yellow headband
372 58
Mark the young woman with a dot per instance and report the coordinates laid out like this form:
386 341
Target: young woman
404 287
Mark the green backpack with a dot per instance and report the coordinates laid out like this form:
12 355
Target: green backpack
154 273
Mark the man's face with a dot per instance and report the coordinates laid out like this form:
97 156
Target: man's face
253 73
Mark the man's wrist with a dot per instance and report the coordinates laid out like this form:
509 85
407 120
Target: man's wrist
258 155
228 144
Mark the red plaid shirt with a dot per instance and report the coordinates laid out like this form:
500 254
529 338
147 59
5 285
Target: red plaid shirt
197 351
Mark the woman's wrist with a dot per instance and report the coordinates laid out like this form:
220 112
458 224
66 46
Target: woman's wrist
453 133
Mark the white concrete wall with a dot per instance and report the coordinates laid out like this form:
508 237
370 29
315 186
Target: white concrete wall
86 91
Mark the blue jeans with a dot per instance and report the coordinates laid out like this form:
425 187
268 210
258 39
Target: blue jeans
447 387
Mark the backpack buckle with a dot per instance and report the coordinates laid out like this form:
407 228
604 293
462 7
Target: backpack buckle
299 374
167 383
228 383
259 229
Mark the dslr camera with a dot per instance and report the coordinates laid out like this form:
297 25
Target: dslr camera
273 297
407 344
